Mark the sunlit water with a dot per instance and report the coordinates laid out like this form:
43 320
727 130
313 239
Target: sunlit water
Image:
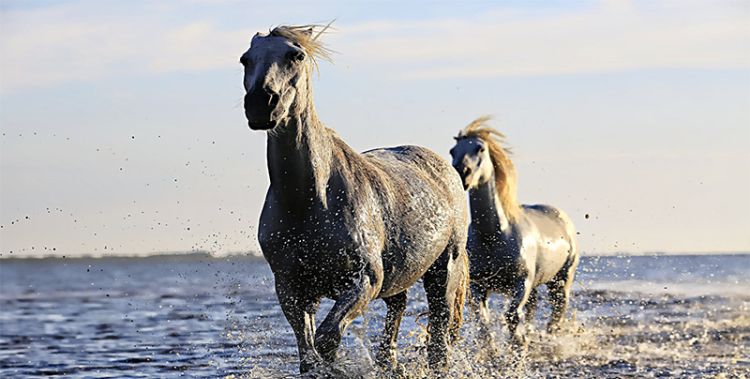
661 316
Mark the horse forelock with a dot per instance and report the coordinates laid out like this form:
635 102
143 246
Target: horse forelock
506 179
308 38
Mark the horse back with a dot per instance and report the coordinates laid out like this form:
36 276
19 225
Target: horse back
406 161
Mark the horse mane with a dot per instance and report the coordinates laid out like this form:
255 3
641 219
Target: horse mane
306 37
506 180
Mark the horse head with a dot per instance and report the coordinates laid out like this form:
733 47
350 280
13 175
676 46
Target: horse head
480 157
278 66
471 159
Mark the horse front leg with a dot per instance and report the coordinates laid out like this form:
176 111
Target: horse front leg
387 358
299 309
480 311
350 304
519 297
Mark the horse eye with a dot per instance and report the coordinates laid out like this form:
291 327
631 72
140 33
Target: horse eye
295 55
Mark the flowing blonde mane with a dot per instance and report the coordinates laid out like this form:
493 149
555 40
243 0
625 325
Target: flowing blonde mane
307 37
506 180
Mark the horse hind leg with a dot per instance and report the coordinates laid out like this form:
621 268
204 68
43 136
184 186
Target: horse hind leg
559 294
445 284
531 305
386 357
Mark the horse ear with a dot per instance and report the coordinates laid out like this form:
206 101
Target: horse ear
308 31
455 138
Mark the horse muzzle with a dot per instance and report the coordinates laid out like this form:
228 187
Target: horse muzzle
463 173
259 104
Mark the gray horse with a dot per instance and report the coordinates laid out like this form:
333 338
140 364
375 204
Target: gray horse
512 248
344 225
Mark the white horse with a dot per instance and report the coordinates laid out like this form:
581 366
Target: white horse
512 248
344 225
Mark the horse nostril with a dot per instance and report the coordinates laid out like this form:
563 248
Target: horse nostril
274 100
273 97
467 170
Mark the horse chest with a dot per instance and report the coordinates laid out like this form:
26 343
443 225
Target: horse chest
315 248
498 259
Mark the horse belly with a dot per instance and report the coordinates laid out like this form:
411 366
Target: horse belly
416 236
403 270
405 263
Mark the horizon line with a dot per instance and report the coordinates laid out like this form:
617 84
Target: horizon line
259 255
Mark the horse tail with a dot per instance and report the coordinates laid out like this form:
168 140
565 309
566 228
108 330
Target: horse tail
462 290
570 230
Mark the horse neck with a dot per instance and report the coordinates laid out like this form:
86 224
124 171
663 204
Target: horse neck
487 215
299 155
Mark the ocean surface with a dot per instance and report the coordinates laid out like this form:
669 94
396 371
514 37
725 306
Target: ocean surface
198 316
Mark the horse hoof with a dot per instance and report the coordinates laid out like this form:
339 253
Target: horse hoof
493 353
390 368
327 372
396 371
519 341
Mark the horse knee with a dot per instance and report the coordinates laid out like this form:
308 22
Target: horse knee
348 306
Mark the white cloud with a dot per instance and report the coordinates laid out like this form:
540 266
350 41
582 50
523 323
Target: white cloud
46 46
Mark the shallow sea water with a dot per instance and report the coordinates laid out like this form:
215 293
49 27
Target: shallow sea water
197 316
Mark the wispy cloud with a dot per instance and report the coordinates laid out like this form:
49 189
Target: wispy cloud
49 45
608 37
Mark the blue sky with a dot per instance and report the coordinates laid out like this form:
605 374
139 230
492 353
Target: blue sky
123 132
